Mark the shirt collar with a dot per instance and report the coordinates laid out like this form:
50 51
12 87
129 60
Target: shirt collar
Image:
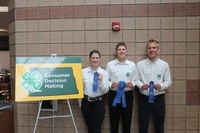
117 62
92 71
153 61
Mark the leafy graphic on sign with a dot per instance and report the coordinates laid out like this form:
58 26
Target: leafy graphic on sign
32 81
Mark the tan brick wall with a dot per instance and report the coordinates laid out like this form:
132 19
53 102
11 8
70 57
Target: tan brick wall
74 27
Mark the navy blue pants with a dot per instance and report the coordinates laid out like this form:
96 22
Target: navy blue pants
119 112
93 113
157 109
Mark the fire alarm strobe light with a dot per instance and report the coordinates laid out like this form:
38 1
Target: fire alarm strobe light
116 26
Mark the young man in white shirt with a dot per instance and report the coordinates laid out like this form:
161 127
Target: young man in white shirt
120 71
156 70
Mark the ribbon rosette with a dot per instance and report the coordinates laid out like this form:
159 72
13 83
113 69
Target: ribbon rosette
120 96
151 90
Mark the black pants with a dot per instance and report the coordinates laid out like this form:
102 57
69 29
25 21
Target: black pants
93 113
145 109
119 111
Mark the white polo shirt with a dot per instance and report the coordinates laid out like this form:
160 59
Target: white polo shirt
125 71
157 71
88 76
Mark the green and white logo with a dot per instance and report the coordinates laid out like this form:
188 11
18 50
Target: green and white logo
127 74
32 81
159 76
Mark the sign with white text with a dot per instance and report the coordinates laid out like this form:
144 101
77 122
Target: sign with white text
48 78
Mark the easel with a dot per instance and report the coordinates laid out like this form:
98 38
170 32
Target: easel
53 59
54 116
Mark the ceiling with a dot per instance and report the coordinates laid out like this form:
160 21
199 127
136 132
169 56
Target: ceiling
4 20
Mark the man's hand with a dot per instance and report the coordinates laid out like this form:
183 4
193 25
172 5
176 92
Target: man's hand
115 84
145 86
129 84
157 86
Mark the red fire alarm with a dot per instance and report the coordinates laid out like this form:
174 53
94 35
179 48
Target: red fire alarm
116 26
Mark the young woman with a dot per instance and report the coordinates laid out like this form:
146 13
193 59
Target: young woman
95 82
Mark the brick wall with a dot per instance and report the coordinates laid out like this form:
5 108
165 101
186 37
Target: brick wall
74 27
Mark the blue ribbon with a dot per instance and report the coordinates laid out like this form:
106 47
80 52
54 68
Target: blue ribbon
120 96
151 92
95 82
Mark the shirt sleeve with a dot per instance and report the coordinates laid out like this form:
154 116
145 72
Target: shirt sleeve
138 82
135 77
167 79
103 84
108 76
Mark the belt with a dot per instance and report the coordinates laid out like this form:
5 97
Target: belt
156 97
125 89
93 99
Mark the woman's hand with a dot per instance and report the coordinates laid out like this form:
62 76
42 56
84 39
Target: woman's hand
100 77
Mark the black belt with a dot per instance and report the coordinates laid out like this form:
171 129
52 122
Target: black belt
93 99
